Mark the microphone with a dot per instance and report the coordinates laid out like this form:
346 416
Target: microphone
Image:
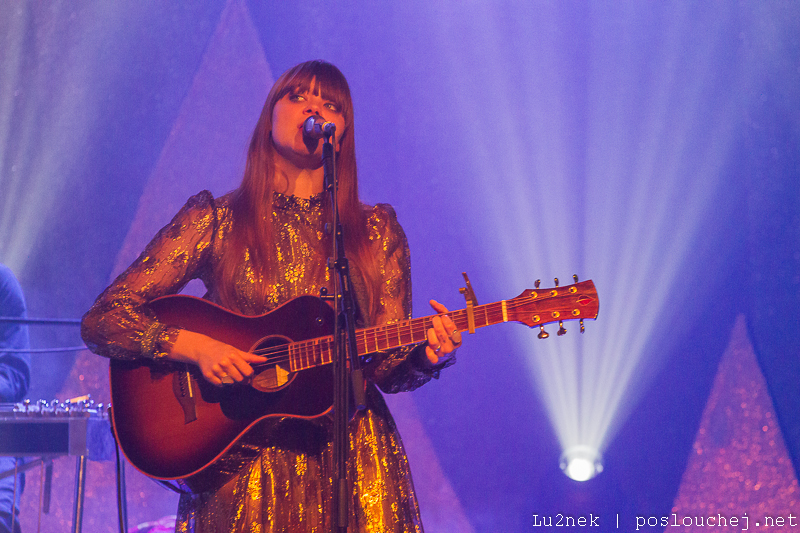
316 127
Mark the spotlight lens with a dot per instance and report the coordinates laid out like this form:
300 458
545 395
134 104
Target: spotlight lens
580 469
581 463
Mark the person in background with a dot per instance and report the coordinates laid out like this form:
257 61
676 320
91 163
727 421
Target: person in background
15 376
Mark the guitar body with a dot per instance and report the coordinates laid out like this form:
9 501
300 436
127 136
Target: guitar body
171 423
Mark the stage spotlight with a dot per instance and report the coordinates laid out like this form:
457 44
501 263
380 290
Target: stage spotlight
644 182
581 463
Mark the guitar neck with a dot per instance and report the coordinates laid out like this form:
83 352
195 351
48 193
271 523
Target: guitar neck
316 352
534 307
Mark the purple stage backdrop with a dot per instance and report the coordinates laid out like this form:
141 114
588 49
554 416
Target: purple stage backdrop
653 147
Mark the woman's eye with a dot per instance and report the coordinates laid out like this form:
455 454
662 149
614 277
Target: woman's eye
297 98
332 107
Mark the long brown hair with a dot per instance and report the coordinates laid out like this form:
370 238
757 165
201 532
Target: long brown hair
251 203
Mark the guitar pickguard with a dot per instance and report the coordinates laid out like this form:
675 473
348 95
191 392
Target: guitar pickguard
271 377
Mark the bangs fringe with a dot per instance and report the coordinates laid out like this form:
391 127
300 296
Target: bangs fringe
329 81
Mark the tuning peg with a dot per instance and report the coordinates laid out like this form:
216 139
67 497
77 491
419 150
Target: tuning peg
561 329
543 334
583 329
575 277
537 283
555 280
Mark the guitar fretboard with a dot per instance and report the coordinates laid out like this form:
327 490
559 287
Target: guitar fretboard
319 351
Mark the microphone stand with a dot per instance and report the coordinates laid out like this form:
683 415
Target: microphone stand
344 345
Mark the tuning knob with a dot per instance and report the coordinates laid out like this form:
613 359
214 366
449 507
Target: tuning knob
583 329
561 329
555 280
537 283
575 277
542 333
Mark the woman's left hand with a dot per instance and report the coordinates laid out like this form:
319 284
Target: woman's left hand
443 337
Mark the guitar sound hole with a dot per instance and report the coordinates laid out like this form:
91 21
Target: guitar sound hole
272 376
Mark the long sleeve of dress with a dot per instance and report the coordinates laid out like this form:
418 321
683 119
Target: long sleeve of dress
406 368
119 324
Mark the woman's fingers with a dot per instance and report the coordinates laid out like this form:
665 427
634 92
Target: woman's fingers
230 365
443 336
448 327
220 363
433 347
228 371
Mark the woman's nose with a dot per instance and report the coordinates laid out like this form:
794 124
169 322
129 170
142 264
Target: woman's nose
313 108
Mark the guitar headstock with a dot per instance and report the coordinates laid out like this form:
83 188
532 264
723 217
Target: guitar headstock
537 307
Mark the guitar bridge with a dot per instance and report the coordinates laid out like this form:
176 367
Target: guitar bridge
184 391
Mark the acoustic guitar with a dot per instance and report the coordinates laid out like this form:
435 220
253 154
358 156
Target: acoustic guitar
172 424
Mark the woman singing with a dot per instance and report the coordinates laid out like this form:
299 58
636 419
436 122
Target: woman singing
255 248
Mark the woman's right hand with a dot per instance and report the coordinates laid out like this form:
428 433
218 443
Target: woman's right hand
220 363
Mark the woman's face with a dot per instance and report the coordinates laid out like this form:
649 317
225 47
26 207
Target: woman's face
288 116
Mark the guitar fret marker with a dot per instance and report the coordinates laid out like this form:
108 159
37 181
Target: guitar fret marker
505 311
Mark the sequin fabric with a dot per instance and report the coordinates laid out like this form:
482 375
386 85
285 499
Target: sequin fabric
281 470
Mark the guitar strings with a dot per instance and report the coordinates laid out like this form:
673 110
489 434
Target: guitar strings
282 352
311 350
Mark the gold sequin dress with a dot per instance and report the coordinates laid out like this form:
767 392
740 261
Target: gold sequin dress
282 470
